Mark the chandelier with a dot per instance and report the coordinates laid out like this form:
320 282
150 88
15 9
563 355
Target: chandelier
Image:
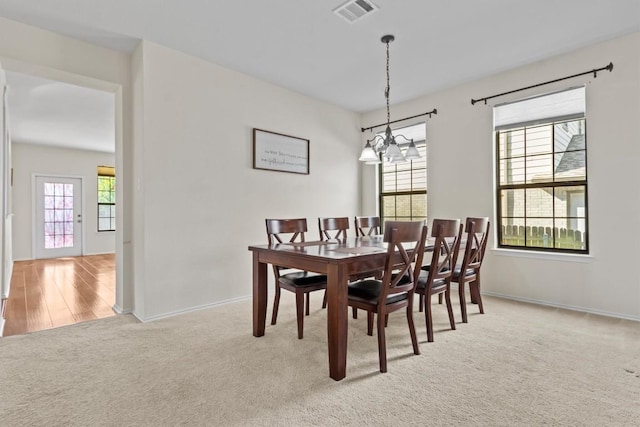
386 145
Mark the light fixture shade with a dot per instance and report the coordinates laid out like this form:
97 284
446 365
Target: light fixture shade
393 153
369 155
412 152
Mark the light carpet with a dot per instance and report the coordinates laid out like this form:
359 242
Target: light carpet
517 365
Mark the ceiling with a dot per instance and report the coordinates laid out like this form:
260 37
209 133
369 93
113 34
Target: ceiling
47 112
302 45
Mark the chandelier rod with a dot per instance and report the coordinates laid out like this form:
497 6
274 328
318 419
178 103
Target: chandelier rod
428 113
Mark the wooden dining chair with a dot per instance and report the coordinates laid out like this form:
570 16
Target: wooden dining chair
436 280
395 290
477 233
333 228
367 225
302 283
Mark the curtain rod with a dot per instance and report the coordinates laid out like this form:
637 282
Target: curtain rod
429 113
594 71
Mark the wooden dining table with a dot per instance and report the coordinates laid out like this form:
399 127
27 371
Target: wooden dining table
338 260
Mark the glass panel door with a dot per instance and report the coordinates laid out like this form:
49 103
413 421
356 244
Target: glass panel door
58 227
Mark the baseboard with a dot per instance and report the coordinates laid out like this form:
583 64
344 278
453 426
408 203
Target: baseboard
564 306
120 310
2 322
189 310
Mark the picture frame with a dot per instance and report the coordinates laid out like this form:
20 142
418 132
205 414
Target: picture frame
279 152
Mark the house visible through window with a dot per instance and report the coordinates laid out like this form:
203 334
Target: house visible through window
541 148
403 186
106 198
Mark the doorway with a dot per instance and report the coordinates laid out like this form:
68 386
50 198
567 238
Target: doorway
61 205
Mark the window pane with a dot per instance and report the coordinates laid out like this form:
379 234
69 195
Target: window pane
419 206
569 136
512 232
403 180
571 166
389 206
512 171
403 206
538 140
511 143
540 233
104 224
539 168
539 203
570 201
512 203
388 182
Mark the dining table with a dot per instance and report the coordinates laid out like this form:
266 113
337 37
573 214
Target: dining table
338 260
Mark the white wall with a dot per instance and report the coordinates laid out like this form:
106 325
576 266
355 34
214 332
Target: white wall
30 159
461 175
199 201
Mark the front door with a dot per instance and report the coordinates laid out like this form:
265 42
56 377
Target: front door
58 225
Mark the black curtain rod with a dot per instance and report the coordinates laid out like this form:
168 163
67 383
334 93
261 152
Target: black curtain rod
429 113
594 71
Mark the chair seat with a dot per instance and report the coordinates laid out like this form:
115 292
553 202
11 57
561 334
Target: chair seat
422 281
300 279
435 286
369 291
428 267
456 272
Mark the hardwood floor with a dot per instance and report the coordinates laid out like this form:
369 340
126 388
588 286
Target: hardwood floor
48 293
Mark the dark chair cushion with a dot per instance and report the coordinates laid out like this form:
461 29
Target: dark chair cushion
370 290
456 272
436 285
303 278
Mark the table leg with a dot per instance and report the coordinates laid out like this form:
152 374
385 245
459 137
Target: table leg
259 296
337 310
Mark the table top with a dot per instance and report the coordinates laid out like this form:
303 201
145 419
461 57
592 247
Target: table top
335 248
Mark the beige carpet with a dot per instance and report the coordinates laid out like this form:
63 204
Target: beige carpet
519 364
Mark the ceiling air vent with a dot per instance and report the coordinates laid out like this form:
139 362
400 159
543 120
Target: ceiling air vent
353 10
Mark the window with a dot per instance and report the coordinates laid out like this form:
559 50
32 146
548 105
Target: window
403 186
541 148
106 198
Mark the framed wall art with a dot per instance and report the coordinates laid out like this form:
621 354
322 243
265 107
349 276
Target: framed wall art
278 152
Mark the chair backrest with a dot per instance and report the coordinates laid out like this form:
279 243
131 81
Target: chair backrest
294 227
477 231
294 230
338 225
405 239
367 225
447 233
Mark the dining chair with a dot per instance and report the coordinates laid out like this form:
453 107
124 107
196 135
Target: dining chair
338 226
477 233
335 228
367 225
395 290
436 279
302 283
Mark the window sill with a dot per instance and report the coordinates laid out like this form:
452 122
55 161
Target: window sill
543 255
